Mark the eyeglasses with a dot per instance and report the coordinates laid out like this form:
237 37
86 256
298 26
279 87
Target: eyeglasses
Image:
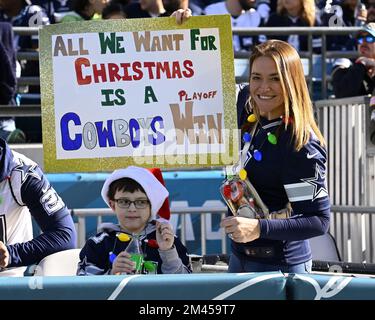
368 39
125 203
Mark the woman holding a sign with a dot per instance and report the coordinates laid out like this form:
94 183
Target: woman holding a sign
285 161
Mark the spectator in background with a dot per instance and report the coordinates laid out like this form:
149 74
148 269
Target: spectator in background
370 6
273 5
342 14
55 9
8 65
26 192
203 3
85 10
243 14
145 9
295 13
21 13
8 84
171 6
357 78
113 10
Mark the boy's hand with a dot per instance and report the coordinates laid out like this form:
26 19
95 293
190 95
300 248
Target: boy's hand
164 235
122 264
181 15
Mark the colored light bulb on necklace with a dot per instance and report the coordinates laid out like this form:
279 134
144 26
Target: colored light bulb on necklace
112 257
243 174
271 138
286 120
227 190
257 155
152 243
123 237
246 137
251 118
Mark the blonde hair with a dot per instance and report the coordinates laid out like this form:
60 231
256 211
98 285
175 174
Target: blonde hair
307 13
297 102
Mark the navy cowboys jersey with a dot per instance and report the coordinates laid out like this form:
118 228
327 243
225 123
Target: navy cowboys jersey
25 192
287 176
96 255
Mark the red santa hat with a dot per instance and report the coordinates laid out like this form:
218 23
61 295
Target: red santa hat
164 211
153 186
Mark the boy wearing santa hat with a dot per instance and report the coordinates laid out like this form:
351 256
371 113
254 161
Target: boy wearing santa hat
140 201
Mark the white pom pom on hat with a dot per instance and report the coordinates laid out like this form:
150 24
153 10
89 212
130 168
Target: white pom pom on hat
155 191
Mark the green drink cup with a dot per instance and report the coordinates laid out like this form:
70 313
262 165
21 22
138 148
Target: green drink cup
138 259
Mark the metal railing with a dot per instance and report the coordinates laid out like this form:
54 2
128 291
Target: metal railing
350 177
354 230
31 110
99 213
344 239
309 32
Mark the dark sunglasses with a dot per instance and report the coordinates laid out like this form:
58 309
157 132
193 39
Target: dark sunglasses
368 39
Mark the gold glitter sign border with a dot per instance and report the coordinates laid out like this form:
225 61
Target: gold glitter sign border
52 164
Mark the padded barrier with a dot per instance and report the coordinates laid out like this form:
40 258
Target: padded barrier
207 286
264 286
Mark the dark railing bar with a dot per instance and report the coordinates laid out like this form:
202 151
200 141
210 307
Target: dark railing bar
28 81
295 30
20 111
26 31
26 55
353 209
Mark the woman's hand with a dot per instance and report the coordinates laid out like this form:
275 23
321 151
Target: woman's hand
123 264
241 229
181 15
4 255
164 235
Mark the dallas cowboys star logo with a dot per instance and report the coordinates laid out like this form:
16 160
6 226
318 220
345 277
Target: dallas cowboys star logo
83 264
320 189
26 171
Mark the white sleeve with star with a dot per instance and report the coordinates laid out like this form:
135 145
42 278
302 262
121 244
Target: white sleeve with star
24 168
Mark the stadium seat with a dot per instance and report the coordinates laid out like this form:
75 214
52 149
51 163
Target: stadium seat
324 248
63 263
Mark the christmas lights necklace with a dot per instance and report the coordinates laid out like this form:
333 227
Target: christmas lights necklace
248 139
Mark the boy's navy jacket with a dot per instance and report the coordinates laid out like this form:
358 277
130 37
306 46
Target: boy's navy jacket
95 256
25 192
285 176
